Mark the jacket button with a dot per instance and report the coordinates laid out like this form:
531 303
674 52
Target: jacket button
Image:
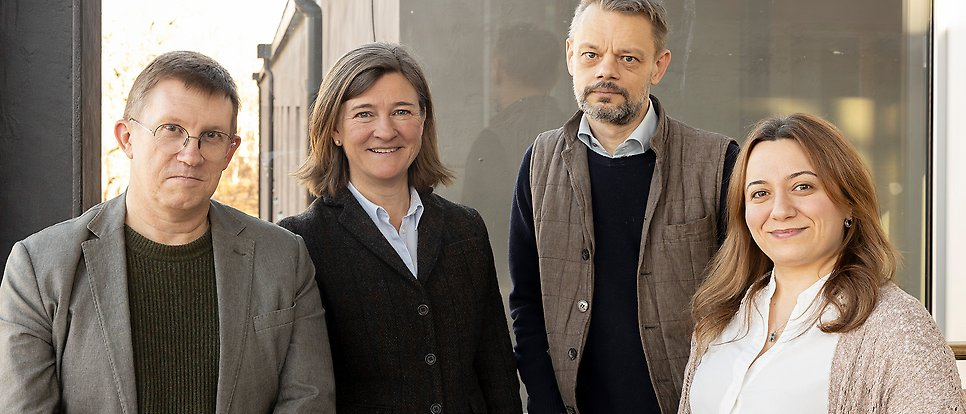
572 353
585 254
583 306
422 310
436 408
430 359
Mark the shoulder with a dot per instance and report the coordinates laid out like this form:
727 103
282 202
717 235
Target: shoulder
263 232
66 233
899 321
896 306
696 135
453 213
302 223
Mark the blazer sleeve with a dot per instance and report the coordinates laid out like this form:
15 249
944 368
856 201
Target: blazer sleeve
923 377
494 357
307 383
27 357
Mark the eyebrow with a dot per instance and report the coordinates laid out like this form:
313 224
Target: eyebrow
370 106
790 176
180 122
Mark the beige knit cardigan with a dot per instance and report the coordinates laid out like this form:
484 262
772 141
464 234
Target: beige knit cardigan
896 362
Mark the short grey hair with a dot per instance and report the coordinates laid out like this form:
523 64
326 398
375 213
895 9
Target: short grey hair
651 9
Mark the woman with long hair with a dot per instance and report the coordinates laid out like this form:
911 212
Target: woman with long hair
415 317
799 313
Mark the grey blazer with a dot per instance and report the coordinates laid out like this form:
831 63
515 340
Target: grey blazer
65 336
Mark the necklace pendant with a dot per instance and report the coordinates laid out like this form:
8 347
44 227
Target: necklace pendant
771 336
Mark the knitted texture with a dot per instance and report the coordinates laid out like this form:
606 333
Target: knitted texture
896 362
174 324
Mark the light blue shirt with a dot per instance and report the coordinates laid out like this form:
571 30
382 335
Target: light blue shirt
637 143
406 240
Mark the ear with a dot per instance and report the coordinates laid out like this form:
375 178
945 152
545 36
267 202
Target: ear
123 136
570 55
236 142
660 66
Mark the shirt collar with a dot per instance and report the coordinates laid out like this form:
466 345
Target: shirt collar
377 213
806 299
638 142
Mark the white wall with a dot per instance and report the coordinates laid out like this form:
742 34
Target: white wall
950 170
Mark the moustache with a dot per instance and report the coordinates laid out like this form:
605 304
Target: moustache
607 86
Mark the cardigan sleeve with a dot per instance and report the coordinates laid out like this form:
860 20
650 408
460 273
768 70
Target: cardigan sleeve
922 376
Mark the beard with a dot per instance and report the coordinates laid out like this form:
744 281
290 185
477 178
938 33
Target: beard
619 115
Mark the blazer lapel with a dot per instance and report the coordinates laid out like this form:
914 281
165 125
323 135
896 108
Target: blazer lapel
234 270
355 220
430 237
106 263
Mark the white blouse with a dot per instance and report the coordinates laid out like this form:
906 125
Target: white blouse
791 377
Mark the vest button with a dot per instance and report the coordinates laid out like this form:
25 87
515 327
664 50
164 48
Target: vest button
572 353
585 254
583 306
430 359
436 408
422 310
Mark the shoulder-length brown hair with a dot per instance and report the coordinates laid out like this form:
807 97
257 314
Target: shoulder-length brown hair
866 261
326 170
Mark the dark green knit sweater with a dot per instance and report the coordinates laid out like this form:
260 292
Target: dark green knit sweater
174 324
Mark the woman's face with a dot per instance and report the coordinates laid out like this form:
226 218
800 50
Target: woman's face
381 132
788 210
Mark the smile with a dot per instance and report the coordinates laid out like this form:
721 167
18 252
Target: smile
786 233
384 150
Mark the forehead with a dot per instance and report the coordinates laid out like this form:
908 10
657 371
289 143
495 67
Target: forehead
604 28
389 87
172 100
776 160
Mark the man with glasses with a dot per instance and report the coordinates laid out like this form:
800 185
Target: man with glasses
162 300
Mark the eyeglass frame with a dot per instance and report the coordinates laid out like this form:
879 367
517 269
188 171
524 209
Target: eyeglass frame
231 138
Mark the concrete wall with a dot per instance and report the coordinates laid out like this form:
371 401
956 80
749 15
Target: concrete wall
50 102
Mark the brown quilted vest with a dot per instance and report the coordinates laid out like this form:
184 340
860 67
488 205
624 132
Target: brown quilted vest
679 237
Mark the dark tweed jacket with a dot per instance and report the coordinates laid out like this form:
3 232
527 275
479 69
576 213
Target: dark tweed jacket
434 344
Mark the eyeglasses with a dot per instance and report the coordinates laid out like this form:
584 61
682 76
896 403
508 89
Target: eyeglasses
172 138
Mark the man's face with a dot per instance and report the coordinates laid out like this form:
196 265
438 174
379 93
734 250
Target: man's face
183 182
613 61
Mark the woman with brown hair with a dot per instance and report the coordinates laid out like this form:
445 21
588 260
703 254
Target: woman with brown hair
415 316
798 313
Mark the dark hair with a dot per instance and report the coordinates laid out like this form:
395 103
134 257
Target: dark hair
651 9
867 260
194 69
326 170
523 51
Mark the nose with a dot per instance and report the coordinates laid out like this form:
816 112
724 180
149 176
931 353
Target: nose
783 207
191 152
607 68
384 128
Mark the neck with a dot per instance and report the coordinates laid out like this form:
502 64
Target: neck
171 228
394 198
612 135
794 280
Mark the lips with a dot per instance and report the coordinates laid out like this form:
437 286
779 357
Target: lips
786 233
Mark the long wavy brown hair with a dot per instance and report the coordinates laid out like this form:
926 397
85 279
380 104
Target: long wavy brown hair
866 259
